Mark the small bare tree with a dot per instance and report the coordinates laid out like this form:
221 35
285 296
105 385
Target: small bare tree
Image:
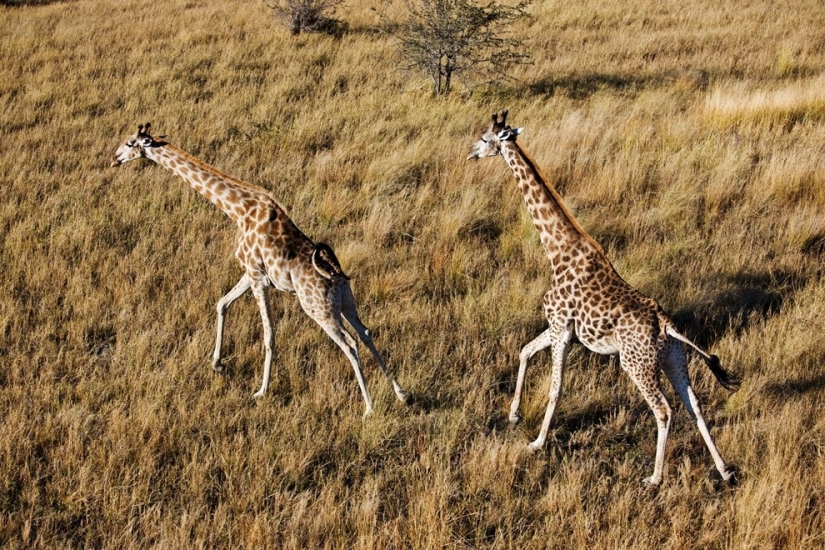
305 15
449 37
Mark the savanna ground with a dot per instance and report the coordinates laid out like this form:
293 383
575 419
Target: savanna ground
688 139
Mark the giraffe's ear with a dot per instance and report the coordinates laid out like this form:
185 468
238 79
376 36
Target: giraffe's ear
509 133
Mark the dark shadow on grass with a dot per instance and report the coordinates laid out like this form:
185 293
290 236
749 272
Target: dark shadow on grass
496 422
582 86
505 382
794 389
18 3
426 402
747 297
598 413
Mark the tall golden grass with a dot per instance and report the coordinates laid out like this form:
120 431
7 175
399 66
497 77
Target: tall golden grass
785 104
666 128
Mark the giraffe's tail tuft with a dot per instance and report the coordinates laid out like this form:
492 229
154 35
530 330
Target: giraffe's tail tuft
326 263
728 380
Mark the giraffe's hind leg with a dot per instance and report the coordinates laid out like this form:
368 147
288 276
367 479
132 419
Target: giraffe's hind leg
350 313
644 373
348 345
261 293
325 309
675 368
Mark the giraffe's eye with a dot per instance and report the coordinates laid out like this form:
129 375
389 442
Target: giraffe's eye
130 143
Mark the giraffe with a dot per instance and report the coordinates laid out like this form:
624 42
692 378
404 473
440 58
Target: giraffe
589 302
273 253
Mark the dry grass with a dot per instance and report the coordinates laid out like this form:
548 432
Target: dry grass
115 432
788 104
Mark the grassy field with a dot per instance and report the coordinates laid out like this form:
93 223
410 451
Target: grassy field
687 138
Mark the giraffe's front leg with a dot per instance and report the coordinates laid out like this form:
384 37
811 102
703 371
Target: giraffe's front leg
662 426
544 340
560 349
223 304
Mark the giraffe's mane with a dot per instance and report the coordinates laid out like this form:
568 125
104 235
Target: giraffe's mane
556 198
214 171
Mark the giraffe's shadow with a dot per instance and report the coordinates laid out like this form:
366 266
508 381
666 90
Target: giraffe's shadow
745 298
426 401
598 414
19 3
750 298
782 392
582 86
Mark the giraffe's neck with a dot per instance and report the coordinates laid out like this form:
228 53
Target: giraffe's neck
229 194
560 233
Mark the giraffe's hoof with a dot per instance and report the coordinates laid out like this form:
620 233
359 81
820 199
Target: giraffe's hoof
367 413
514 418
404 396
535 446
732 474
257 395
218 367
729 476
651 482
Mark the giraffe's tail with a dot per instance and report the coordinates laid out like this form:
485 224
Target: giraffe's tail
728 380
326 263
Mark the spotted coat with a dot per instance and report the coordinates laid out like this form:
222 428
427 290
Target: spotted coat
273 252
589 302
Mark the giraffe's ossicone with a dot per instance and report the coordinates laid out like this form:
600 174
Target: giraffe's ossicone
273 253
589 302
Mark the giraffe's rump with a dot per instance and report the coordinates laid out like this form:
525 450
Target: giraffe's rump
326 262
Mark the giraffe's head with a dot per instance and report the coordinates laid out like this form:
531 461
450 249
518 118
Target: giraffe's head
490 143
135 146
